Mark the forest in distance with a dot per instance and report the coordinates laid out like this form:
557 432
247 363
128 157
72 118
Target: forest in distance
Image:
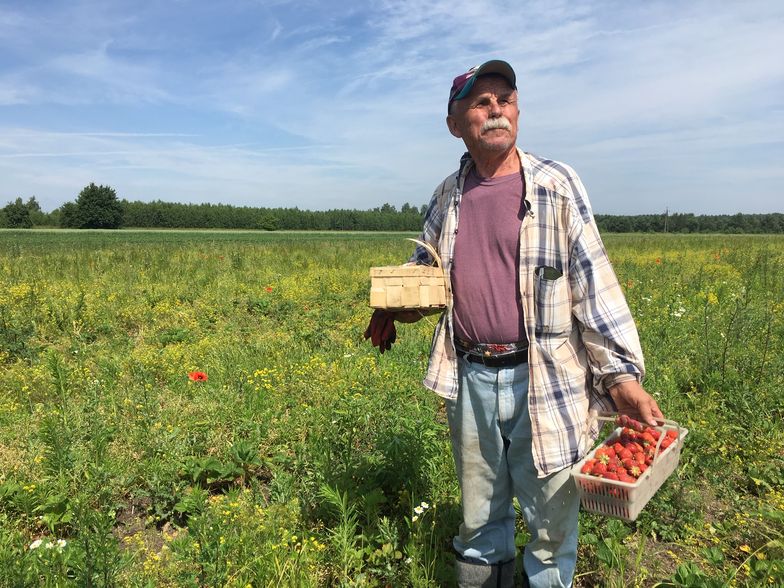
98 207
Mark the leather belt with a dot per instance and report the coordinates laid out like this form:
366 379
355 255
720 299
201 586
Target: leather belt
487 354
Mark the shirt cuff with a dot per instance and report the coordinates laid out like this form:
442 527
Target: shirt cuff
612 379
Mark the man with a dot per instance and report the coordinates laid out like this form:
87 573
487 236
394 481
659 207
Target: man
536 332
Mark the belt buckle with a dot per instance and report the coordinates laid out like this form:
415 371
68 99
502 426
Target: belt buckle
497 348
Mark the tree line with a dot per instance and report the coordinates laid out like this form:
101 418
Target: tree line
98 207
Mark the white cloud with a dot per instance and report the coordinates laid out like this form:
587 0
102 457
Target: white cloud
322 105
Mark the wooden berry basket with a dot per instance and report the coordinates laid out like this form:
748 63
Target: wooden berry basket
624 500
403 287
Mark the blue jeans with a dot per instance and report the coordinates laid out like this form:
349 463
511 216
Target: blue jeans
491 436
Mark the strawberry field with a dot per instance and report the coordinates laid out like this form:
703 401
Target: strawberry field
200 409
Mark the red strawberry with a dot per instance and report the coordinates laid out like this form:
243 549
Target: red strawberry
599 468
610 476
626 478
628 423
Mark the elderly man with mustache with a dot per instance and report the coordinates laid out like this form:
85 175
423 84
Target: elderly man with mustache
536 333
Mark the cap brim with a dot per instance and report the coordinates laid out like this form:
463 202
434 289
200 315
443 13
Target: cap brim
495 66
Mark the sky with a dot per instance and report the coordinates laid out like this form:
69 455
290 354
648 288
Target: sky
675 106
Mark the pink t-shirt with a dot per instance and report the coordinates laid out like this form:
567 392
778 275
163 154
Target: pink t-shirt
487 303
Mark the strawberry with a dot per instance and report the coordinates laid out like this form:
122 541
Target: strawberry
639 457
626 421
599 468
587 466
635 447
647 438
604 454
627 478
610 476
672 433
625 454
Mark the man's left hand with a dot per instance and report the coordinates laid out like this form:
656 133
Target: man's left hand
631 399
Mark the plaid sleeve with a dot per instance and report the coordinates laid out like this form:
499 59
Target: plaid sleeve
608 330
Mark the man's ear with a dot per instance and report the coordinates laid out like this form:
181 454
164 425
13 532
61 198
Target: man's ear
453 128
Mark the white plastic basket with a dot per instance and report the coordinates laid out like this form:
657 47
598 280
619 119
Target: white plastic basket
403 287
625 500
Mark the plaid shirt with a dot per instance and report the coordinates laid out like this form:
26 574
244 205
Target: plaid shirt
581 333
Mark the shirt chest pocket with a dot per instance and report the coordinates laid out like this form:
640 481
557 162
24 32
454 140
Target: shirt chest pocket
552 302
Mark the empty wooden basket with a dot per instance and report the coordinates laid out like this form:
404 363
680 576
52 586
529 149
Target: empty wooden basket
402 287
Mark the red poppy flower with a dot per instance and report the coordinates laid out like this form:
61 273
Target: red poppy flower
268 288
197 376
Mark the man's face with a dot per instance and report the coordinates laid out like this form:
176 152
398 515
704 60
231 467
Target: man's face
487 118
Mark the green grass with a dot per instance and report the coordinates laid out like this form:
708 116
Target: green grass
301 459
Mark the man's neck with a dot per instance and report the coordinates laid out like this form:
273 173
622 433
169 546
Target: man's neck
495 165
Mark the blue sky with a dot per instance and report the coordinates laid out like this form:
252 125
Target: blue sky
335 104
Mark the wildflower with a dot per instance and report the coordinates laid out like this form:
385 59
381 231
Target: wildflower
61 543
712 298
268 288
414 519
197 376
658 260
424 505
419 510
36 544
745 548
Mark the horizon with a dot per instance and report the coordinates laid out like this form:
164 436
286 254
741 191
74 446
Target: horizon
317 105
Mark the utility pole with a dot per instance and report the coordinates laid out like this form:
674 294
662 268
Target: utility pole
666 216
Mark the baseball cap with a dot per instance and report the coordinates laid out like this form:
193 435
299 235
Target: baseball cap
462 84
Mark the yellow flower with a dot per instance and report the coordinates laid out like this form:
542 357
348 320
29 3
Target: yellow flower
745 548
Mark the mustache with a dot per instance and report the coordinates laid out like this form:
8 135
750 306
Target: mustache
497 123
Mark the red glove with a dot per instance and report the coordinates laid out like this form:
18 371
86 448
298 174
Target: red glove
381 330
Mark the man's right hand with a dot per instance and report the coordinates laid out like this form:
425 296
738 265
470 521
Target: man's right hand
381 330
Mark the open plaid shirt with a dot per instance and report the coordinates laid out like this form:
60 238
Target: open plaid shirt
581 333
